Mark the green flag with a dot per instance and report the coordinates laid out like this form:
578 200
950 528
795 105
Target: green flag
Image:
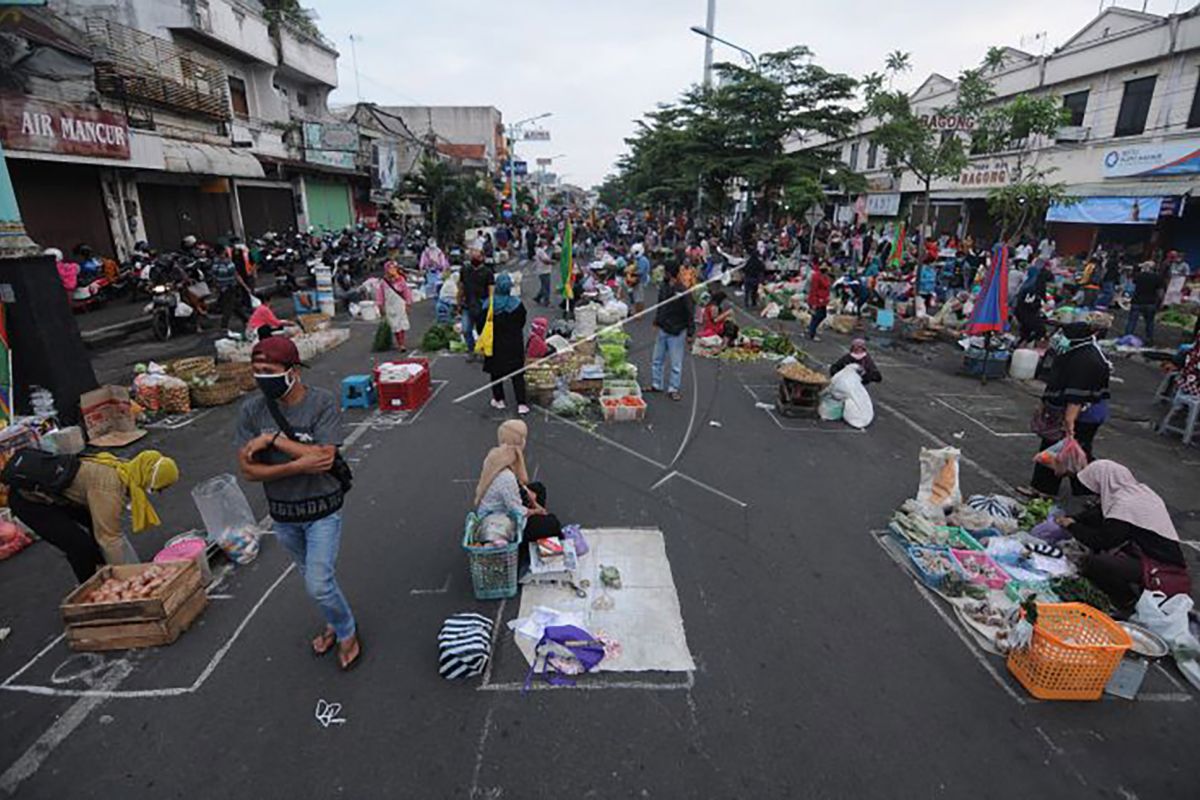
565 265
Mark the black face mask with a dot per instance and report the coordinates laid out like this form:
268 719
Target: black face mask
275 387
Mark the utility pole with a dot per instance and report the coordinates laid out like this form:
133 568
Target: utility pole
354 59
708 43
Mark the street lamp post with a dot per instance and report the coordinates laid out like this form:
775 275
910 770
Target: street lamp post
709 25
707 34
513 131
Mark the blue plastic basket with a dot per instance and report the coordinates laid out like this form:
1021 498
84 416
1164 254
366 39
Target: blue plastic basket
933 580
493 567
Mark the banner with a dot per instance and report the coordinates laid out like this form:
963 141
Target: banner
1164 158
883 205
565 266
1108 211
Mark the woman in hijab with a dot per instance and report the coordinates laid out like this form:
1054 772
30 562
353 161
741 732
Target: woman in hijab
538 330
85 521
1028 309
1134 544
504 485
859 356
393 296
1074 404
434 264
508 345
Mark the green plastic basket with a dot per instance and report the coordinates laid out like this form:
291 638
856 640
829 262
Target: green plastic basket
493 567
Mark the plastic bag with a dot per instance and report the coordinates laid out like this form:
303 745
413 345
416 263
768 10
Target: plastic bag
227 517
847 386
830 408
1166 616
496 528
939 487
1064 456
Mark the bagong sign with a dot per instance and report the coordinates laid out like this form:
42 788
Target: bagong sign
1181 157
47 127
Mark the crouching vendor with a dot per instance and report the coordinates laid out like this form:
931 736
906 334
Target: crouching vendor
504 486
1134 543
84 519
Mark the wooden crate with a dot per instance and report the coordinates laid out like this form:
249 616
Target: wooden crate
113 635
156 608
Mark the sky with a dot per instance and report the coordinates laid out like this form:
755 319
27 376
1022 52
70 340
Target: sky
600 65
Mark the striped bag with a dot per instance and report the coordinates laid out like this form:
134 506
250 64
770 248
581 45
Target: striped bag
464 645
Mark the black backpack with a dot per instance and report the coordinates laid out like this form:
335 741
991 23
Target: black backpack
38 471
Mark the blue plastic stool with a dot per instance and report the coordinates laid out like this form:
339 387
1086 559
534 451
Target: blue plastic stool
357 392
885 319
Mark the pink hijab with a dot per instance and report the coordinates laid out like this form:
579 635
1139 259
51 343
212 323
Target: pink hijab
1123 498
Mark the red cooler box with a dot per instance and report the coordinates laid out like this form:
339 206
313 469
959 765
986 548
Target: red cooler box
407 396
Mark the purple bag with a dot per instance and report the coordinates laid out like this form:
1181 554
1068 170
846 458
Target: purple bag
578 642
575 534
1050 532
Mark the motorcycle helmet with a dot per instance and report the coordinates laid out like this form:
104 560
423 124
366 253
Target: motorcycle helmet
188 241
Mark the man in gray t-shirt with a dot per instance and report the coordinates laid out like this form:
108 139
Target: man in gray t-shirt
293 465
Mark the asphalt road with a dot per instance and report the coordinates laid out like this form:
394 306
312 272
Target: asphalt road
822 670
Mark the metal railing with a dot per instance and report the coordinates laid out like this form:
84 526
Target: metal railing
135 65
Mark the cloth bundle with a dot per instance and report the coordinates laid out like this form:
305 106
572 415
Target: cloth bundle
464 645
399 373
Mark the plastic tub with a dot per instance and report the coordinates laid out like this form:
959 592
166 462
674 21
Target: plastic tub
1024 364
999 576
187 548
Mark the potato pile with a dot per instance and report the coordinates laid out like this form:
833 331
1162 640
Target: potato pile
802 374
136 587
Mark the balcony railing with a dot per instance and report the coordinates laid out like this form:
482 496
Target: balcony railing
134 65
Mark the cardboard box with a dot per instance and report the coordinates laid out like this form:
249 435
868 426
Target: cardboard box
108 417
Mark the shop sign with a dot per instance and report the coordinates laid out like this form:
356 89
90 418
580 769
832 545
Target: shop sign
881 183
947 122
1180 157
59 128
985 174
331 144
883 205
536 135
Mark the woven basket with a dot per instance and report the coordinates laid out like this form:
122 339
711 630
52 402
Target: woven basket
218 394
311 323
238 372
196 367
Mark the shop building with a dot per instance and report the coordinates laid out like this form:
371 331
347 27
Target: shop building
152 120
1130 82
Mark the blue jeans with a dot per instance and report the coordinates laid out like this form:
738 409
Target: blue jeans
468 332
314 548
1148 313
674 346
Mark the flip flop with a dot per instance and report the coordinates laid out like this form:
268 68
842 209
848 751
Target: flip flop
346 666
329 640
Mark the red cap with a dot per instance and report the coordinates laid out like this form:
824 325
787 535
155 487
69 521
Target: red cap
276 350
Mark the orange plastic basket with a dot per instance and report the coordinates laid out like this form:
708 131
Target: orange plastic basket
1074 651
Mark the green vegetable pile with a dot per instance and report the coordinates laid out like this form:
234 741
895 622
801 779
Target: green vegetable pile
1035 513
438 337
1078 589
1177 316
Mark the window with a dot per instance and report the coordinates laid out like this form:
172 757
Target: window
1194 116
872 155
302 99
853 162
1135 106
237 97
1076 105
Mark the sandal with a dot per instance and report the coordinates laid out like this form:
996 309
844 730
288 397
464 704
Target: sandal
347 665
676 396
323 642
1030 492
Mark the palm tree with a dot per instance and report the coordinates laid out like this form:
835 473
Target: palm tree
897 61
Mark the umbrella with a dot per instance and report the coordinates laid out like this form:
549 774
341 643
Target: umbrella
990 314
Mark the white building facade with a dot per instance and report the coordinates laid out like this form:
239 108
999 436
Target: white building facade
222 113
1130 152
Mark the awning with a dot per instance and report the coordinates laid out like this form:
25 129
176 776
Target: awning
194 158
1135 188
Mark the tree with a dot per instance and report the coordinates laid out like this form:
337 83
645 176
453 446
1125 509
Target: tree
1015 127
910 142
450 197
736 132
896 62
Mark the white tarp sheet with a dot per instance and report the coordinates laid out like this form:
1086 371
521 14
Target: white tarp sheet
645 617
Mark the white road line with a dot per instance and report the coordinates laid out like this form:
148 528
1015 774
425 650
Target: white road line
479 748
487 671
28 764
692 419
445 587
715 491
982 424
605 439
770 412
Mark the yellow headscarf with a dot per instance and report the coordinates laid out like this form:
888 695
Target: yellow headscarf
148 470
